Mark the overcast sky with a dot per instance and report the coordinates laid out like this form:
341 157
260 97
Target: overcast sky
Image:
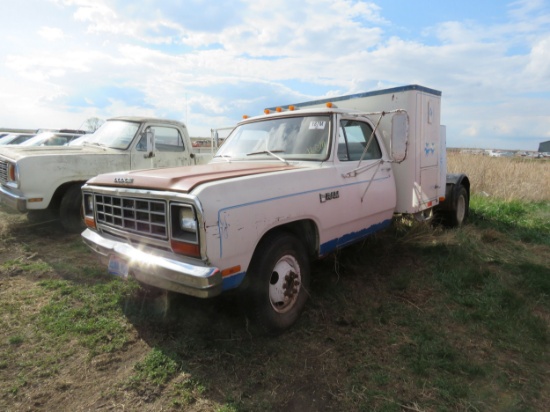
208 62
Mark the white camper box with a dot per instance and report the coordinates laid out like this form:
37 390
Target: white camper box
421 177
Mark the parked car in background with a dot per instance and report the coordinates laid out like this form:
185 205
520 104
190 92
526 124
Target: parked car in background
15 138
47 180
61 138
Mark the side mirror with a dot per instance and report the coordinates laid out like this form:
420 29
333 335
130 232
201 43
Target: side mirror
150 139
399 136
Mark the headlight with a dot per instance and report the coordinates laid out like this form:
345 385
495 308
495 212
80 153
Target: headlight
187 220
88 207
88 204
185 234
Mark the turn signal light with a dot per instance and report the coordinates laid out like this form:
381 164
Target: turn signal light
90 222
12 172
231 271
185 248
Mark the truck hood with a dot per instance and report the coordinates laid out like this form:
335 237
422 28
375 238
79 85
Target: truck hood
19 152
184 179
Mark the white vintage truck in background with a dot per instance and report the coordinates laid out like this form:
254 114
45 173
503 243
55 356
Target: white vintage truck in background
286 187
35 180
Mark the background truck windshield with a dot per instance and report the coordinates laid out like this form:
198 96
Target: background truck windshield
292 138
116 134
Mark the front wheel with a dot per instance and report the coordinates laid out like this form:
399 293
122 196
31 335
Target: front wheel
70 210
279 282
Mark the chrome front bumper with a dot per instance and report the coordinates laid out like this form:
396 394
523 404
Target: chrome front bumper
12 200
157 270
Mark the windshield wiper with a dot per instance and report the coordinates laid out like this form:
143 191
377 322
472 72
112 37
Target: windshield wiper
224 157
271 152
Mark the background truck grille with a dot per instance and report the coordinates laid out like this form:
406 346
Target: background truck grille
143 216
3 171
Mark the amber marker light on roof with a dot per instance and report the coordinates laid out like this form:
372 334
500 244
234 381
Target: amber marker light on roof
278 110
245 116
266 111
329 104
291 108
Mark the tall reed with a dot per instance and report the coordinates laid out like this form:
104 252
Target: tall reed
507 178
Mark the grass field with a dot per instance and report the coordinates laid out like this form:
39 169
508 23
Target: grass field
416 318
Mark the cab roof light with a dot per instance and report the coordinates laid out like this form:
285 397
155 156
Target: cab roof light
329 104
266 111
279 109
245 116
291 108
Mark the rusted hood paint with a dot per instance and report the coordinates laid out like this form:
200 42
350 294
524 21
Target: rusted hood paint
184 179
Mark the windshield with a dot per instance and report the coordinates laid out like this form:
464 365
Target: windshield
14 139
290 138
79 141
116 134
50 139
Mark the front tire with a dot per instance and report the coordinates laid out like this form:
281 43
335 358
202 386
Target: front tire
279 283
70 210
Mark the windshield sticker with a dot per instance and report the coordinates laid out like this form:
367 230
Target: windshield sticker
317 125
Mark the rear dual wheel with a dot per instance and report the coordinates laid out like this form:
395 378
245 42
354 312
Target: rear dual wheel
461 207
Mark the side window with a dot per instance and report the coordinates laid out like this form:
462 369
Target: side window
167 139
353 137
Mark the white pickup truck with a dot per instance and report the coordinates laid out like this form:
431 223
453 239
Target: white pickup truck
36 180
286 187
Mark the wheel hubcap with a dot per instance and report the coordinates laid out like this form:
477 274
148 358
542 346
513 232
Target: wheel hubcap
285 284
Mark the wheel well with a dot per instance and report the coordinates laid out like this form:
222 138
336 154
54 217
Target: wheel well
305 230
466 183
60 192
454 181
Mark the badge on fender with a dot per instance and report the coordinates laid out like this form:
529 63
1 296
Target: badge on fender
323 197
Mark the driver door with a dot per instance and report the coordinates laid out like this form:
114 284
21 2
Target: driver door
170 150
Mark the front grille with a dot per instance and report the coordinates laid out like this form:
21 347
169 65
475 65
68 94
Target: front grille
3 171
143 216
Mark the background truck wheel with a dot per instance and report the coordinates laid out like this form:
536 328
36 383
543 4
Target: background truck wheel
70 210
279 283
460 209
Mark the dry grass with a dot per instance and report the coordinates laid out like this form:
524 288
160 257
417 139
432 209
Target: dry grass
504 178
